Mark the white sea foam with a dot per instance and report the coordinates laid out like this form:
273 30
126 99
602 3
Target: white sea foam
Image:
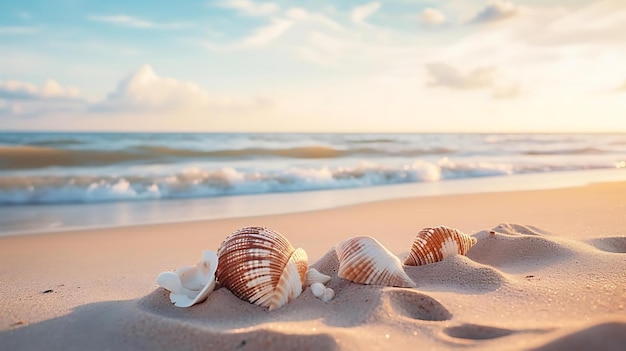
195 182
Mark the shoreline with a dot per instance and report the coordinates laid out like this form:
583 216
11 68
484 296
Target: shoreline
553 271
92 216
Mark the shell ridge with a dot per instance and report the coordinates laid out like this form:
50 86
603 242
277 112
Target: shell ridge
291 280
365 260
435 244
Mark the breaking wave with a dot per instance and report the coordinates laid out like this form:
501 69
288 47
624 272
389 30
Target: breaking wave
196 182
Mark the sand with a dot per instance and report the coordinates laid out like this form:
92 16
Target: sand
548 273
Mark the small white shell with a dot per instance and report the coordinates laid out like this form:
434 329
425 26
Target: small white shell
260 266
318 289
366 261
434 244
314 276
328 294
191 284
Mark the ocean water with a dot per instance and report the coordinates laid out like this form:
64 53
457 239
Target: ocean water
44 171
57 168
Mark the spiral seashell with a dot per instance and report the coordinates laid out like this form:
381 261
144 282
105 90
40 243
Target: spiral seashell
260 266
366 261
434 244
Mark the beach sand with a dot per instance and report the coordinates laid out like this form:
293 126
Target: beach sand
548 273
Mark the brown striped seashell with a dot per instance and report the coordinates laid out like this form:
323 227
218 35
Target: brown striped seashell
366 261
434 244
260 266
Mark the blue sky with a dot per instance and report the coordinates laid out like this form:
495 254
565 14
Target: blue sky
378 66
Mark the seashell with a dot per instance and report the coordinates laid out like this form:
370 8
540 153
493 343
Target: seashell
318 289
434 244
260 266
191 284
328 294
366 261
314 276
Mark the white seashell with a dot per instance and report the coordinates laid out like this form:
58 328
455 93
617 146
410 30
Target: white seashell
328 294
260 266
364 260
434 244
318 289
314 276
191 284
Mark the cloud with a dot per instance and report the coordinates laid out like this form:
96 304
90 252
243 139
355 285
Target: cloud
361 13
443 74
298 14
18 90
26 99
258 38
145 91
497 10
600 23
430 17
250 8
143 94
18 30
134 22
267 34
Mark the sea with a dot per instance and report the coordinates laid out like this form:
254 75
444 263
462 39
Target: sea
64 181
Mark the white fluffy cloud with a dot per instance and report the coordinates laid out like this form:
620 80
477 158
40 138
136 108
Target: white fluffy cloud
145 91
443 74
26 99
361 13
431 17
18 90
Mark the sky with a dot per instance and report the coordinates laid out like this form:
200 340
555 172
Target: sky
314 65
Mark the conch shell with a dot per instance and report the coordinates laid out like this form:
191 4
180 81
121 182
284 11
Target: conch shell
434 244
191 284
366 261
260 266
